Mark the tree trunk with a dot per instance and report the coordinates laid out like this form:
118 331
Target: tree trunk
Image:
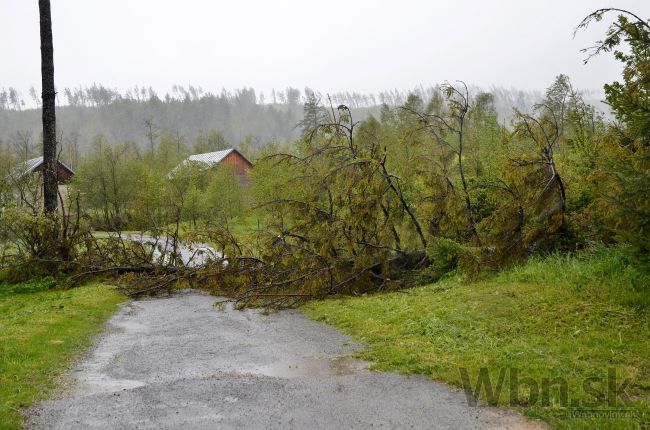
469 209
50 171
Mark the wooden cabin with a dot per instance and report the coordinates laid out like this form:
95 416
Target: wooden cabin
27 183
36 165
226 157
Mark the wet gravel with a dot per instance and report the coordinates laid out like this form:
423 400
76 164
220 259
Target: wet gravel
178 362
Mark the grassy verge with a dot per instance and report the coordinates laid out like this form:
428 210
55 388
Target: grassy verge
565 323
40 332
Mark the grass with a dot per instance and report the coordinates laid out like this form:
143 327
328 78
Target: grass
559 317
41 331
245 226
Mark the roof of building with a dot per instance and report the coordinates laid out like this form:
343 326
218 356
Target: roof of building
208 158
30 165
211 157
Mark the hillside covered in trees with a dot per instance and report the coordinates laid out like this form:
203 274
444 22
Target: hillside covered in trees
242 118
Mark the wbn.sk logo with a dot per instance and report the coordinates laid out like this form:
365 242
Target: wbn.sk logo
598 391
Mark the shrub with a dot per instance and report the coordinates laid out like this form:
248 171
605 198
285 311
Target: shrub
446 255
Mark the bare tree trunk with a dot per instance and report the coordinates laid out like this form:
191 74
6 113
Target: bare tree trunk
50 171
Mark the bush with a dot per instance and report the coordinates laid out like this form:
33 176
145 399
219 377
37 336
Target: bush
43 244
446 255
33 286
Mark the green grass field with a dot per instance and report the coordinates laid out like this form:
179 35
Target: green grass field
573 318
41 331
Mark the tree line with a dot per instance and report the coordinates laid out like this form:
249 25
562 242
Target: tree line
83 113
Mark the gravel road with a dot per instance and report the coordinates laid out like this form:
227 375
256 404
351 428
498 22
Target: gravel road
178 362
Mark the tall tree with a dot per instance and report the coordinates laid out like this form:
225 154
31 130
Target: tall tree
50 172
152 133
314 114
626 150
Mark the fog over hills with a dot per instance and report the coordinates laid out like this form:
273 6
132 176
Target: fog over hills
186 113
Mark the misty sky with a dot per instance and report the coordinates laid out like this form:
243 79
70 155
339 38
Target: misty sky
332 45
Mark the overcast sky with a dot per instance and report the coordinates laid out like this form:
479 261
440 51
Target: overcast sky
328 45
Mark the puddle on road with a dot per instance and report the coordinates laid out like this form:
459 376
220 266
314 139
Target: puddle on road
91 377
312 368
97 382
102 384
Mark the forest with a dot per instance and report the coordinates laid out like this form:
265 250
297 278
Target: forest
349 194
243 118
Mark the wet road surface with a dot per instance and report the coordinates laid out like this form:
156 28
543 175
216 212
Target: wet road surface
178 362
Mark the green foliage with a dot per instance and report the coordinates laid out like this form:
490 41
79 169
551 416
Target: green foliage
210 141
314 114
170 151
336 218
444 256
42 244
118 189
6 165
622 177
630 99
225 195
623 181
106 181
31 286
446 174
